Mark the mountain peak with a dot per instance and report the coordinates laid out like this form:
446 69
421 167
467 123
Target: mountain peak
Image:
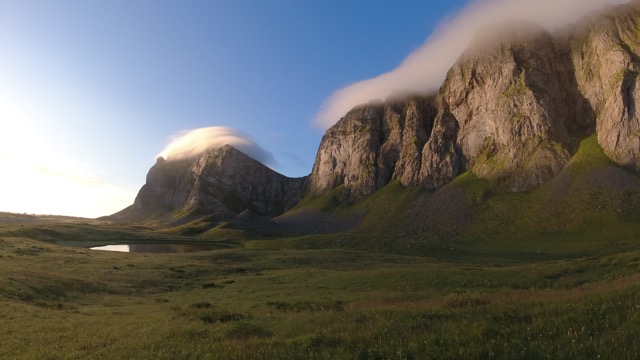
222 181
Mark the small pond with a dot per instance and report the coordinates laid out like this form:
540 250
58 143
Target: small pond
158 248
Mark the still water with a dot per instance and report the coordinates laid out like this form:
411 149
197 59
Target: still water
157 248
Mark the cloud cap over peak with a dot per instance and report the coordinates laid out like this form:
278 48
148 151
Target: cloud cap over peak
191 143
424 70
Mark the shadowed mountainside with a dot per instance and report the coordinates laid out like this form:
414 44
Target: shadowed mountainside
222 182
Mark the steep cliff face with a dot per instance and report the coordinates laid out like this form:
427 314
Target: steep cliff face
606 54
510 110
374 144
223 181
347 153
517 111
407 126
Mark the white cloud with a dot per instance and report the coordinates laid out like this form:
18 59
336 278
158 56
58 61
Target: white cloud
194 142
424 70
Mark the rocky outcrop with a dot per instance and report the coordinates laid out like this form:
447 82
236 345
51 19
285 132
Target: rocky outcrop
223 181
347 153
510 110
407 126
372 145
606 54
517 110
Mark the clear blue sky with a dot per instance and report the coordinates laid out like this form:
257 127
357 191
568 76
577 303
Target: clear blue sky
91 91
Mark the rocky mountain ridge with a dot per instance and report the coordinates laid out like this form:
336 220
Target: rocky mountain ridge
224 182
511 111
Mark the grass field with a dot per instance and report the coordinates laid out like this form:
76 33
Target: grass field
256 302
549 274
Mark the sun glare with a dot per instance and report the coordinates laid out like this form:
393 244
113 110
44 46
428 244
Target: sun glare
37 187
37 181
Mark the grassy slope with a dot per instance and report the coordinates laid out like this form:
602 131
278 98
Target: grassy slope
518 276
590 208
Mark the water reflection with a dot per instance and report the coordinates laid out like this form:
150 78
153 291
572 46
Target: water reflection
118 248
157 248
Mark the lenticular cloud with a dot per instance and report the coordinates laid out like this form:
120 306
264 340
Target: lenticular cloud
424 70
194 142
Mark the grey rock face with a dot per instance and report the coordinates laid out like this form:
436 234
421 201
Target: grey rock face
441 156
416 118
517 108
511 111
224 181
606 54
347 154
372 145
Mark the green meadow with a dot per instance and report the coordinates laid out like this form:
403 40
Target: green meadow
260 302
549 274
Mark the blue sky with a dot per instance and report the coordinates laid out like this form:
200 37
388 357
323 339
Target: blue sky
103 85
91 91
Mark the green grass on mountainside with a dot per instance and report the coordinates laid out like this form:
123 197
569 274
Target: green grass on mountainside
590 208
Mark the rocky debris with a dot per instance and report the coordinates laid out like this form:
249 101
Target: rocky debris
306 221
442 213
223 181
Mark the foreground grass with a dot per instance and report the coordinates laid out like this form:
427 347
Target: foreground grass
258 302
459 273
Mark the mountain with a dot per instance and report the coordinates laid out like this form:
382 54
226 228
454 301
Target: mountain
512 113
512 110
223 182
374 144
